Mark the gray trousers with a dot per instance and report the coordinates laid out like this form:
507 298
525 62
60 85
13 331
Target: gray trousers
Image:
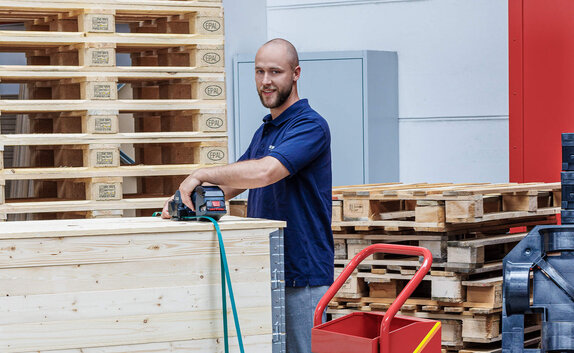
300 304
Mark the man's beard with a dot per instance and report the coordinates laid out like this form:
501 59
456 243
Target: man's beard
282 96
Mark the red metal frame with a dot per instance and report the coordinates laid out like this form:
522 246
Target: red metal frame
541 86
516 105
401 298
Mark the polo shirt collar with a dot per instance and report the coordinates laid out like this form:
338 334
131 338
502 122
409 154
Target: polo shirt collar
290 112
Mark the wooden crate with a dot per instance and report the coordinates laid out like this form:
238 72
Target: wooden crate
131 285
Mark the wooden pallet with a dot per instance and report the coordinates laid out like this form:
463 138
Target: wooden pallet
86 174
455 252
437 205
166 110
478 289
468 228
159 35
514 220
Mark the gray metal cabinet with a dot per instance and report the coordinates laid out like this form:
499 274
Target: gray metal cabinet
356 92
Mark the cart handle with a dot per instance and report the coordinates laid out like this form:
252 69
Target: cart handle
401 298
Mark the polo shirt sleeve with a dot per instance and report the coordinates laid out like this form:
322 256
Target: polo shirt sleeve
246 155
304 142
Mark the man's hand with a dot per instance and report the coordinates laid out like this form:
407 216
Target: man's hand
186 188
165 211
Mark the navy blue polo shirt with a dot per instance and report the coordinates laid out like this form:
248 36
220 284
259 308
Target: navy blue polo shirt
300 139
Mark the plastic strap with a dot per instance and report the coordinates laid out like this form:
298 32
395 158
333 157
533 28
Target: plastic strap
224 275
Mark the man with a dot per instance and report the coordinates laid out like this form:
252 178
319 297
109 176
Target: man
287 168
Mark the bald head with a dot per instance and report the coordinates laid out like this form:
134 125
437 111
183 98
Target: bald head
277 71
284 48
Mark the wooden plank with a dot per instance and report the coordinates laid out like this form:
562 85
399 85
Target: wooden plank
18 73
396 215
118 276
125 106
494 240
101 304
338 190
128 225
41 39
413 263
504 188
120 6
85 172
125 330
134 137
97 249
253 343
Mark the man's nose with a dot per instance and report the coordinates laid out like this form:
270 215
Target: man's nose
266 79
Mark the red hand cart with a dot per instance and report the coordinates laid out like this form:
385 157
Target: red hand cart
377 332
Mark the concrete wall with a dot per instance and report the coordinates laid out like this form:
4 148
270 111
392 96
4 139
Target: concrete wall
453 74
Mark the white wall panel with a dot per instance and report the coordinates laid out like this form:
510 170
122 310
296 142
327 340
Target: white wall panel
453 64
454 150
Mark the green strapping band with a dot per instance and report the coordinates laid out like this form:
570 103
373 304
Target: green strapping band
224 276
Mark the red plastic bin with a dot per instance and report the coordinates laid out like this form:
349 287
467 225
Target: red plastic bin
377 332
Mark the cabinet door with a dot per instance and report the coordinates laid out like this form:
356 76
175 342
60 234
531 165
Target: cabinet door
334 88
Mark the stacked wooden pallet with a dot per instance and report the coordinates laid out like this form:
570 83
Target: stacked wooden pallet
468 228
100 76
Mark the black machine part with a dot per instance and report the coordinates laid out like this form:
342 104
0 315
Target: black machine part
208 201
543 260
568 152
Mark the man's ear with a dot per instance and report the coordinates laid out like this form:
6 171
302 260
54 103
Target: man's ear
296 73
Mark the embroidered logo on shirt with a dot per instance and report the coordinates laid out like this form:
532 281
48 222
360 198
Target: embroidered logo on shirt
271 147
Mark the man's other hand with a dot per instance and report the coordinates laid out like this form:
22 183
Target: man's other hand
165 211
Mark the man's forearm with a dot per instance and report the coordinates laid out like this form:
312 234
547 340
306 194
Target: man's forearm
241 175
